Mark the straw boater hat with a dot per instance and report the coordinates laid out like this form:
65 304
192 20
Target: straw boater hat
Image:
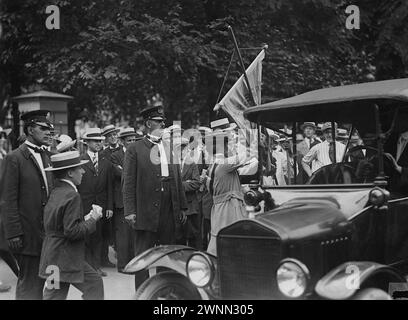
127 132
222 127
109 129
272 134
65 143
65 160
342 133
308 124
93 134
327 125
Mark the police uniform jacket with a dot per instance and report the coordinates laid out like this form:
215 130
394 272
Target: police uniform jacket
23 198
142 186
65 231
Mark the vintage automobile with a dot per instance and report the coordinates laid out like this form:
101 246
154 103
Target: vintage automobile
343 234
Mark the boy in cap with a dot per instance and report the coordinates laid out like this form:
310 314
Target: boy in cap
65 230
24 194
123 232
96 188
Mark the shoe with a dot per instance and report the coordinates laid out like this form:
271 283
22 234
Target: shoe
102 273
4 287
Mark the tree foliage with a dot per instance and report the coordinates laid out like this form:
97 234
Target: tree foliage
114 55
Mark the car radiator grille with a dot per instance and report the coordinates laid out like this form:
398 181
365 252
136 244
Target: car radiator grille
247 267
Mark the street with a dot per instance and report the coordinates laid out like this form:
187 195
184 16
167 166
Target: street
117 286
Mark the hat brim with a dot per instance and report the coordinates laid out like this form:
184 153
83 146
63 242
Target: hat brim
67 167
110 131
101 138
128 135
303 126
157 118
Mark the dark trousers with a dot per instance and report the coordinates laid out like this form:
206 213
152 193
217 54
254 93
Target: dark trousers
11 261
93 246
165 234
191 232
29 285
206 229
124 239
91 288
107 239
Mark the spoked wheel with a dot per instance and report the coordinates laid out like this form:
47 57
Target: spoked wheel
167 286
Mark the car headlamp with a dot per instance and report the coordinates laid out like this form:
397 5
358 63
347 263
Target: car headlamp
200 270
292 277
378 197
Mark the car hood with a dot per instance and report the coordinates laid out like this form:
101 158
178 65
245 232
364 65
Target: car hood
314 215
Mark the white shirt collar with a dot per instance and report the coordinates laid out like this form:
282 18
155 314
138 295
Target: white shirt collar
124 149
70 183
404 135
32 145
92 154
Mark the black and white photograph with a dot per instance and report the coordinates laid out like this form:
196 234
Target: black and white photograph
226 151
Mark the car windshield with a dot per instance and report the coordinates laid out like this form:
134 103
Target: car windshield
318 153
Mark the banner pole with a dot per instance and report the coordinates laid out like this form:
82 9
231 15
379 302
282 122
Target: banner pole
241 62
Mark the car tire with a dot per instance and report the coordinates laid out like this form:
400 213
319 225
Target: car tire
372 294
167 286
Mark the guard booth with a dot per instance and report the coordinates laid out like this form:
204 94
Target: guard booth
56 103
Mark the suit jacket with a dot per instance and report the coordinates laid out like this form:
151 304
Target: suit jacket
191 183
142 186
107 153
96 188
65 231
22 200
302 149
397 182
117 160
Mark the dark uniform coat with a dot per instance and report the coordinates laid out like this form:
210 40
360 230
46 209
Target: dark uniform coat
142 186
65 231
23 198
96 188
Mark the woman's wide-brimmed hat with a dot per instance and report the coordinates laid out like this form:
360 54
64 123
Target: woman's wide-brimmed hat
65 160
93 134
65 143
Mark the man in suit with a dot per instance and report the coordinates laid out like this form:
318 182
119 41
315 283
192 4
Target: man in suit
123 232
96 188
303 147
110 132
25 190
191 183
153 194
396 151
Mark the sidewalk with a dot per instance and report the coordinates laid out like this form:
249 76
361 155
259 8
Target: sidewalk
117 286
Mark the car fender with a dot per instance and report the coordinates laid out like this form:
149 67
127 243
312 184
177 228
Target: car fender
345 280
172 257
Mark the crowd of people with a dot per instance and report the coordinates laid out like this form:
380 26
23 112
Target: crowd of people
66 207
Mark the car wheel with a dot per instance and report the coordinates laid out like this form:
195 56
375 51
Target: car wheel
167 286
372 294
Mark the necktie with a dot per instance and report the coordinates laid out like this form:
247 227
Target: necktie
95 162
331 150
